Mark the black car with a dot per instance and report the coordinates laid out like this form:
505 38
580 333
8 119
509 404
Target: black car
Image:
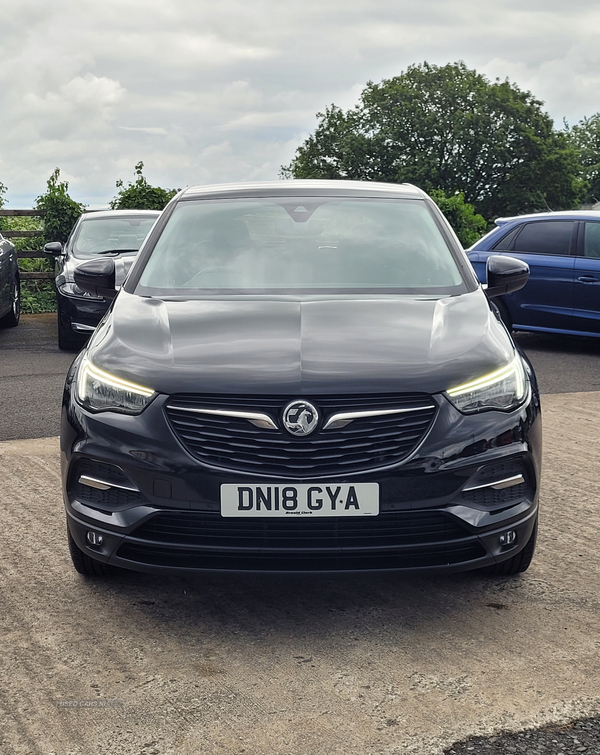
10 288
301 376
118 233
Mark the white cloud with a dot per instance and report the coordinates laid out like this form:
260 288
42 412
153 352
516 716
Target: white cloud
204 91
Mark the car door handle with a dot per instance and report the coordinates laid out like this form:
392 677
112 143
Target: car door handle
588 279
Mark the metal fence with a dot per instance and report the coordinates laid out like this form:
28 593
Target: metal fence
30 253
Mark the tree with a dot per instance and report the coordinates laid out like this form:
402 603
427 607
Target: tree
61 211
448 128
140 195
585 137
468 226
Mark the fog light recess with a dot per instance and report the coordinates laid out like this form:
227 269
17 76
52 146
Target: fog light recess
94 538
508 538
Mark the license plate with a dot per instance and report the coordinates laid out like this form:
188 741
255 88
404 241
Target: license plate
342 499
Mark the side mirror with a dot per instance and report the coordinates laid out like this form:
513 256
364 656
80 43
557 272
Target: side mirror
505 275
54 249
97 277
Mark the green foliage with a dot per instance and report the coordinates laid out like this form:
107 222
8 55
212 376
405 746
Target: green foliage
38 296
2 191
585 137
23 224
140 195
467 225
448 127
61 211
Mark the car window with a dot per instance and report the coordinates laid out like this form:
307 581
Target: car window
506 241
293 243
547 237
591 240
99 235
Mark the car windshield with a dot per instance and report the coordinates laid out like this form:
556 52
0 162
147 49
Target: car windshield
292 244
117 234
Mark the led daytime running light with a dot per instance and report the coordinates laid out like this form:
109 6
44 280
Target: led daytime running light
112 380
490 379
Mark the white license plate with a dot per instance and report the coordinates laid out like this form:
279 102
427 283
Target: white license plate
341 499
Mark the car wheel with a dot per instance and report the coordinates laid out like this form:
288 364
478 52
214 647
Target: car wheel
518 563
502 312
85 565
67 340
11 319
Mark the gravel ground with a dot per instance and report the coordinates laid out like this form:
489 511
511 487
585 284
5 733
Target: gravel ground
569 739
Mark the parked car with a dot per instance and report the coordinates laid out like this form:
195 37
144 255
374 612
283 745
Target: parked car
301 376
10 287
118 233
562 250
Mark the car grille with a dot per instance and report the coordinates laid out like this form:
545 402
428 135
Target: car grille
365 443
388 541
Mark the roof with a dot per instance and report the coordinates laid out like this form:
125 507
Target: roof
121 213
563 215
303 188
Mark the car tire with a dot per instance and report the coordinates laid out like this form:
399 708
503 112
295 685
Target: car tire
85 565
67 340
502 312
11 319
518 563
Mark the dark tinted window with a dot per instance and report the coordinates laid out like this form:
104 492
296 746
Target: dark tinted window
505 243
591 240
547 237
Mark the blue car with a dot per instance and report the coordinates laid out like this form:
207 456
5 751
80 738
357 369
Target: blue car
562 250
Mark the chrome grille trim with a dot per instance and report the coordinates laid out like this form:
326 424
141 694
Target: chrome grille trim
341 419
508 482
94 482
256 418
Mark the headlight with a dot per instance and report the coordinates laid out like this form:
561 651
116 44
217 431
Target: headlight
72 289
102 392
503 389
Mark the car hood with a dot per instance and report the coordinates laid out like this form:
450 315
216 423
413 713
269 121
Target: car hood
304 346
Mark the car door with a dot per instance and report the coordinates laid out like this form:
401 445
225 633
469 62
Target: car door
586 288
547 299
4 275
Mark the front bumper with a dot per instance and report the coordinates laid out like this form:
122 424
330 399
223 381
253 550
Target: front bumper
82 314
437 513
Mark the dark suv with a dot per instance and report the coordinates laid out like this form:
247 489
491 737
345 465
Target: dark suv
301 376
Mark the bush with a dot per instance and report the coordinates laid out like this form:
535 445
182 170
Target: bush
36 295
140 195
61 211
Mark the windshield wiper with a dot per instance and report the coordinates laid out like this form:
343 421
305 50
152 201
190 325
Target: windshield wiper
117 251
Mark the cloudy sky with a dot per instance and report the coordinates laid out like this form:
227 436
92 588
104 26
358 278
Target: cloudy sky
206 91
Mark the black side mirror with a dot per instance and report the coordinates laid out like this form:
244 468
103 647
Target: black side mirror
54 249
505 275
97 277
